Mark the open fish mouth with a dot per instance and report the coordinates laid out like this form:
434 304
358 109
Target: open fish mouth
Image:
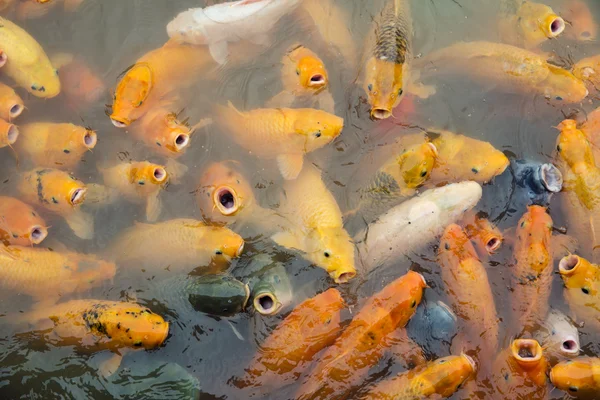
551 177
556 26
226 200
12 135
37 234
317 80
470 361
181 141
380 113
159 175
527 350
493 244
90 139
266 304
568 264
118 123
569 347
78 196
15 110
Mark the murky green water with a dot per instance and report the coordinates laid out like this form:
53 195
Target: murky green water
202 353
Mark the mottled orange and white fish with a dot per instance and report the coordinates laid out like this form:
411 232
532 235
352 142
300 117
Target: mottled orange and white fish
520 372
582 25
346 363
59 193
528 24
461 158
471 298
578 377
507 69
9 134
312 326
99 324
285 134
437 379
11 105
55 145
47 274
139 182
532 273
80 84
161 130
582 289
486 236
581 187
20 224
157 76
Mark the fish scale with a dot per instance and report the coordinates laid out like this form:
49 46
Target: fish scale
393 32
382 187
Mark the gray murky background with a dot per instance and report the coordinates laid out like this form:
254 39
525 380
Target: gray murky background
110 35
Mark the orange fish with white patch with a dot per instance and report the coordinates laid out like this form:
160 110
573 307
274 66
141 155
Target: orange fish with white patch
80 84
139 182
312 326
156 77
20 224
60 193
520 372
346 363
55 145
286 134
532 274
47 274
11 105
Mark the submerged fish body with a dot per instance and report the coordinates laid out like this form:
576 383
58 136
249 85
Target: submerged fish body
139 182
28 65
581 187
470 294
282 133
559 336
55 145
312 326
582 288
414 223
45 274
220 24
387 67
461 158
81 85
179 244
535 183
346 363
578 377
101 324
60 193
532 275
507 68
156 77
317 229
528 24
582 24
433 327
520 371
20 224
442 377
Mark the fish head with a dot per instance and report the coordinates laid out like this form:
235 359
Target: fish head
527 353
455 245
563 334
79 140
148 175
445 375
318 127
533 233
538 22
12 105
579 275
384 86
333 250
577 377
310 70
572 144
223 190
588 70
127 325
45 82
223 242
9 134
74 191
562 87
173 135
416 164
131 94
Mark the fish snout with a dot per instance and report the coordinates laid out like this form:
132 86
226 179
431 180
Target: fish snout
12 134
551 177
380 113
240 249
78 196
569 347
317 81
159 175
568 264
266 303
343 274
526 350
119 123
37 234
556 26
90 139
470 361
226 200
181 141
492 244
15 110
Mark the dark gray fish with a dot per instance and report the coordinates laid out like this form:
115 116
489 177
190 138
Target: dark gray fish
432 327
535 182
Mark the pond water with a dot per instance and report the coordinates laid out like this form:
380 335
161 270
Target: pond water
202 353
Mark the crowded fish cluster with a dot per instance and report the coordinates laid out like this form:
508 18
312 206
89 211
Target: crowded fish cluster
404 278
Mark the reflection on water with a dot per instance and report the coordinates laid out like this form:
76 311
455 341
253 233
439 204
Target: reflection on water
202 353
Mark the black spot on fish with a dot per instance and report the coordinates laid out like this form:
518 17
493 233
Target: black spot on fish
138 344
585 290
119 325
475 170
54 200
447 246
141 183
66 151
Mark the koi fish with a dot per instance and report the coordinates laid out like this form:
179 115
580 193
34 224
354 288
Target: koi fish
11 105
20 224
578 377
582 25
486 236
528 24
581 288
80 84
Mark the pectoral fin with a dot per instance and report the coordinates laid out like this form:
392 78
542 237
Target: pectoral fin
153 207
290 165
289 240
326 102
176 170
110 366
81 223
219 51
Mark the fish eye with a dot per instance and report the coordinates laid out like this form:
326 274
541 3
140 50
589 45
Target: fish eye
327 254
585 290
412 305
297 71
423 173
573 388
442 361
559 98
66 151
370 87
400 92
475 170
218 252
55 72
141 183
318 134
558 148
